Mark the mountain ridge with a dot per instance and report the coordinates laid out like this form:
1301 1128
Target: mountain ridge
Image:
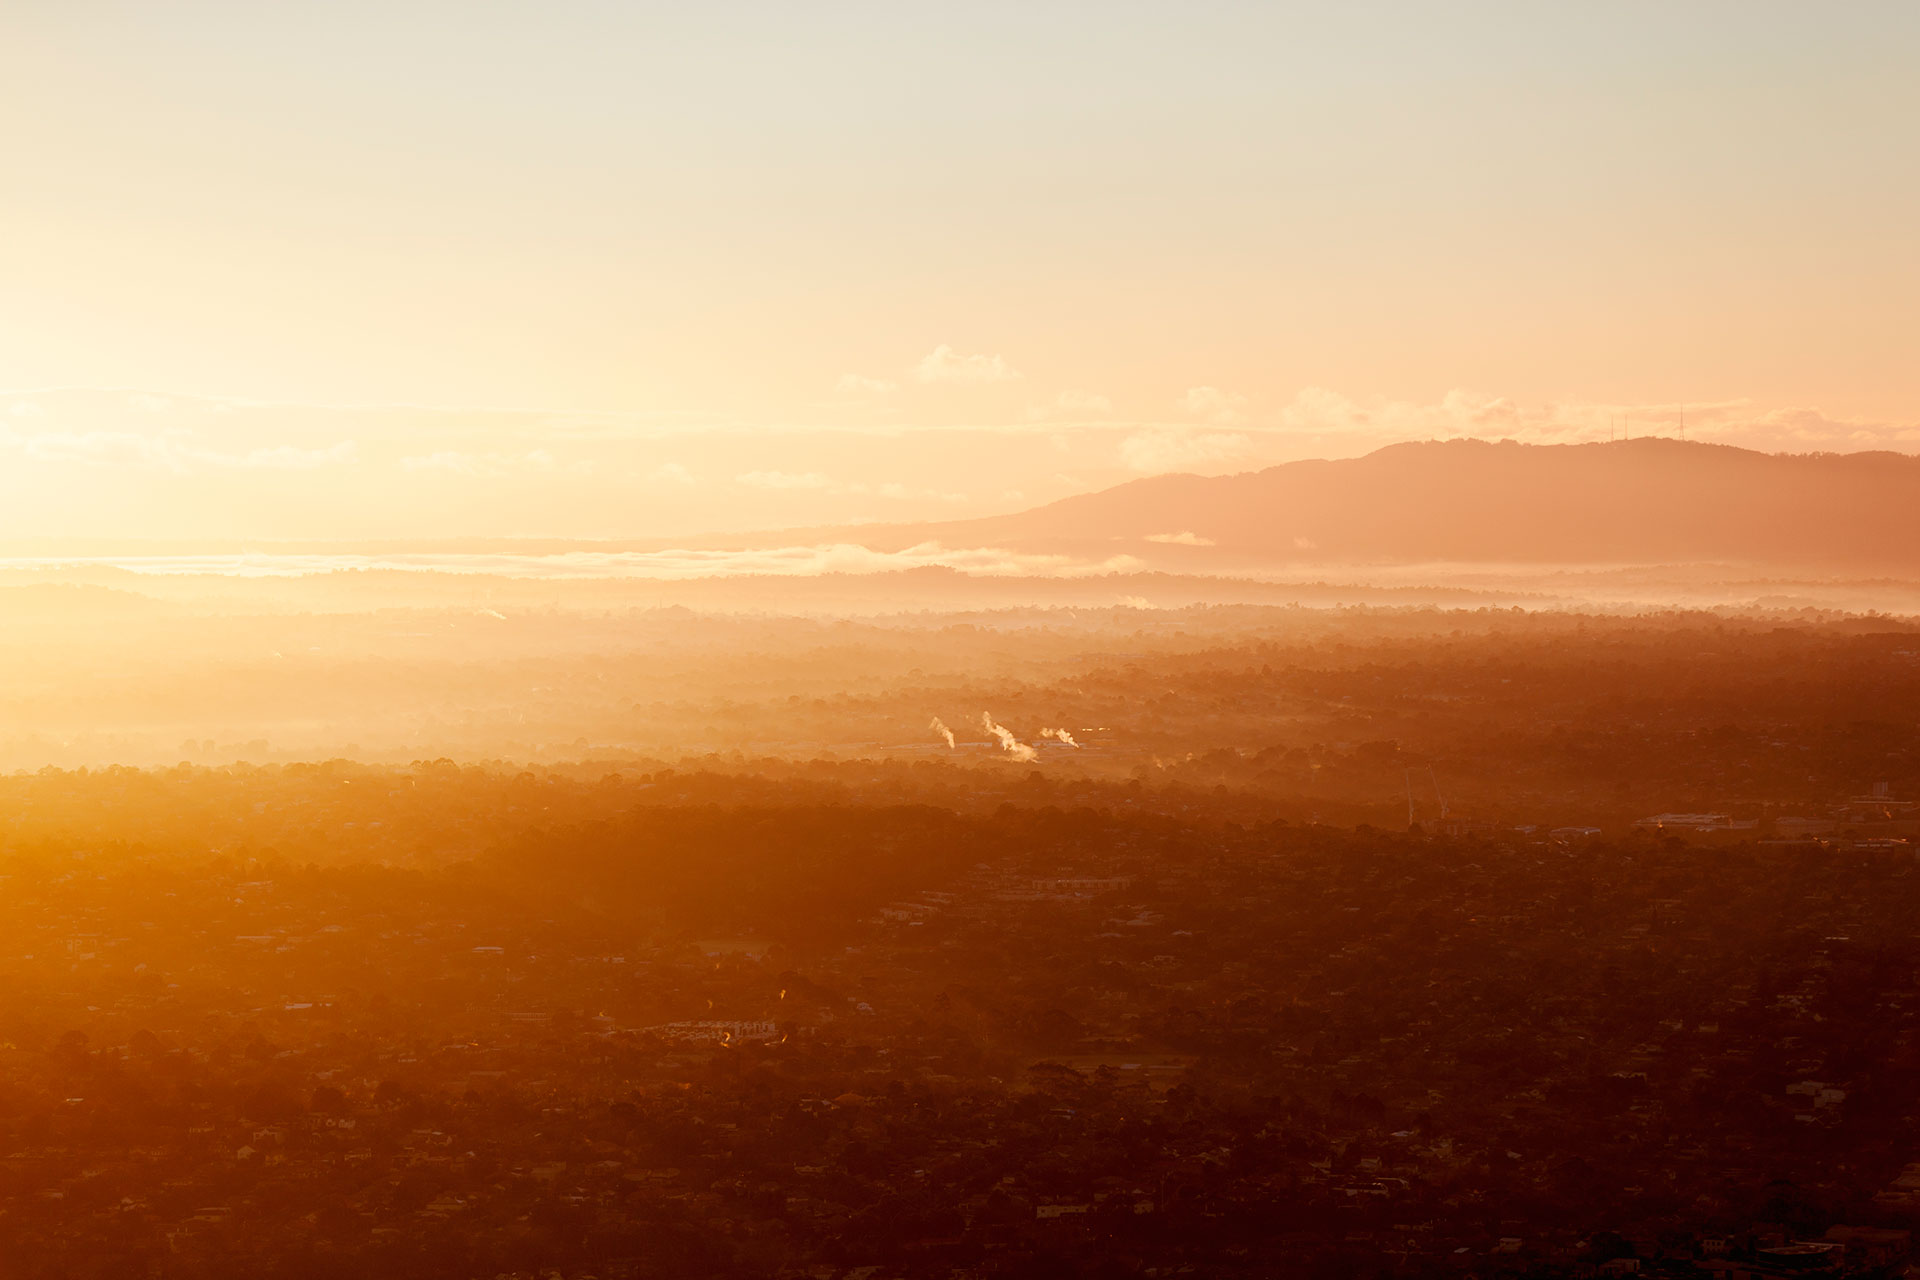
1651 499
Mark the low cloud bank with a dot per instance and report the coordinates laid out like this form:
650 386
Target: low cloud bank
669 565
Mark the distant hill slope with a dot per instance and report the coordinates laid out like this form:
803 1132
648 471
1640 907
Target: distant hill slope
1647 501
1650 500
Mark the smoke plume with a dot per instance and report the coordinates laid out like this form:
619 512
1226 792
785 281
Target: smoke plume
939 726
1008 743
1059 735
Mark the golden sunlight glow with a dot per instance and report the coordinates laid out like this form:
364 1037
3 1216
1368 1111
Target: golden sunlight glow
936 640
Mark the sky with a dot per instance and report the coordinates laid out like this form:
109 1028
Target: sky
417 269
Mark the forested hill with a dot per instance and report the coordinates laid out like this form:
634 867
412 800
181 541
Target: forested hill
1649 500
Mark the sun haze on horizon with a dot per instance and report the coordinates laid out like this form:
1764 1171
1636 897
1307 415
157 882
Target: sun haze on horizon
420 269
937 641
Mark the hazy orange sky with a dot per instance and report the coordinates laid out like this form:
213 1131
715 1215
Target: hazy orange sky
351 270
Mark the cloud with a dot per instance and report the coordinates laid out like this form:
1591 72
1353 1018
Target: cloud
1467 414
1811 427
456 462
907 493
174 452
993 458
814 481
783 480
944 364
859 384
1316 410
1213 405
1349 423
452 460
1185 538
670 565
1071 405
1152 452
288 458
106 449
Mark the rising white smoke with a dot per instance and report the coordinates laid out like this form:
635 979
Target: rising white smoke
1008 743
1059 735
939 726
